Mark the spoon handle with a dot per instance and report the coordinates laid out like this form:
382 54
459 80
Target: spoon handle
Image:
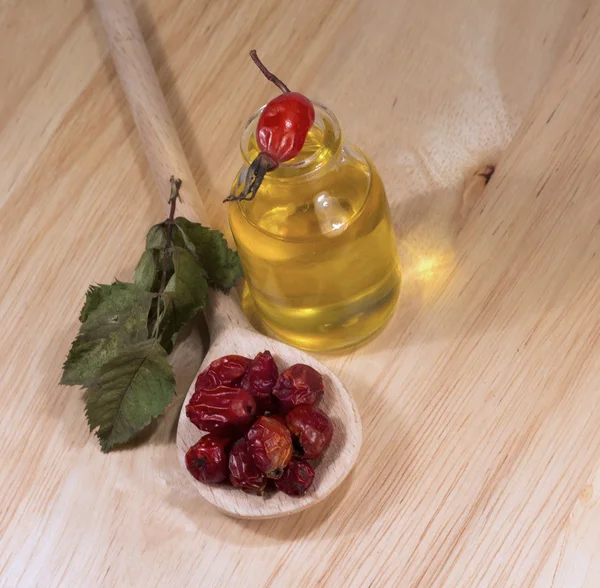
147 103
157 131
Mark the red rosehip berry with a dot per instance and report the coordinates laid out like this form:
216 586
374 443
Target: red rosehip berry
206 460
298 384
297 478
259 379
311 429
279 418
280 132
228 371
243 472
221 410
283 125
270 445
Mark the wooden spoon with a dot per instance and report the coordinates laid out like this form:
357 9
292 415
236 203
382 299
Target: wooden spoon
229 329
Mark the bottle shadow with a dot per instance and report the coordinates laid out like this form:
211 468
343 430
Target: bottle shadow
427 227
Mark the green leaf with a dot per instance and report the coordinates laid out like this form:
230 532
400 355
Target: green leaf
156 237
187 289
185 294
148 270
210 248
93 297
129 391
114 316
181 239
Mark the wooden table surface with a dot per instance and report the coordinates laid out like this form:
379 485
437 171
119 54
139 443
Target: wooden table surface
480 401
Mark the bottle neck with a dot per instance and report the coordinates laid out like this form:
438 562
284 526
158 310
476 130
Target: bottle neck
323 147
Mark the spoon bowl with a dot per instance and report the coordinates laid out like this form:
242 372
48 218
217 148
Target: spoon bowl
337 403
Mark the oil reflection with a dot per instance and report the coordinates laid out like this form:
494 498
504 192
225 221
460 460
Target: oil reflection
426 271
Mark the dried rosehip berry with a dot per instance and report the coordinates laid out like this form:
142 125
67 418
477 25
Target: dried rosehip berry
312 430
298 384
278 417
259 379
297 478
228 370
270 446
243 472
280 132
221 410
207 380
207 459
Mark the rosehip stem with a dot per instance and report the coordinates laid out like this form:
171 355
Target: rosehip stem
175 187
271 77
254 177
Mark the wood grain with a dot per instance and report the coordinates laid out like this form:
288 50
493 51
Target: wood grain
480 400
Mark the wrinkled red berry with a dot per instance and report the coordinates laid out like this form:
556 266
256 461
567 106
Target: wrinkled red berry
270 446
297 478
259 380
278 417
312 430
228 371
283 125
243 472
280 132
207 380
222 409
298 384
207 459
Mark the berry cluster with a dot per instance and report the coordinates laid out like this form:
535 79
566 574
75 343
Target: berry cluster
261 426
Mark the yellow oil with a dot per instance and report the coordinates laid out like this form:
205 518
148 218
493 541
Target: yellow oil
317 244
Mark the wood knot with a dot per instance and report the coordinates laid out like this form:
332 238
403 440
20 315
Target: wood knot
586 494
473 190
486 172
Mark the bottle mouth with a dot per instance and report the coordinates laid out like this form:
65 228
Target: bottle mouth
323 141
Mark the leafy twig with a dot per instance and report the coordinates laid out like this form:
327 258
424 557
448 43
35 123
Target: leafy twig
175 187
125 372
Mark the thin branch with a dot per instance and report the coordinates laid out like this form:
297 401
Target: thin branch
175 187
271 77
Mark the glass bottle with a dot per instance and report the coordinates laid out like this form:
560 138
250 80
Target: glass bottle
317 243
